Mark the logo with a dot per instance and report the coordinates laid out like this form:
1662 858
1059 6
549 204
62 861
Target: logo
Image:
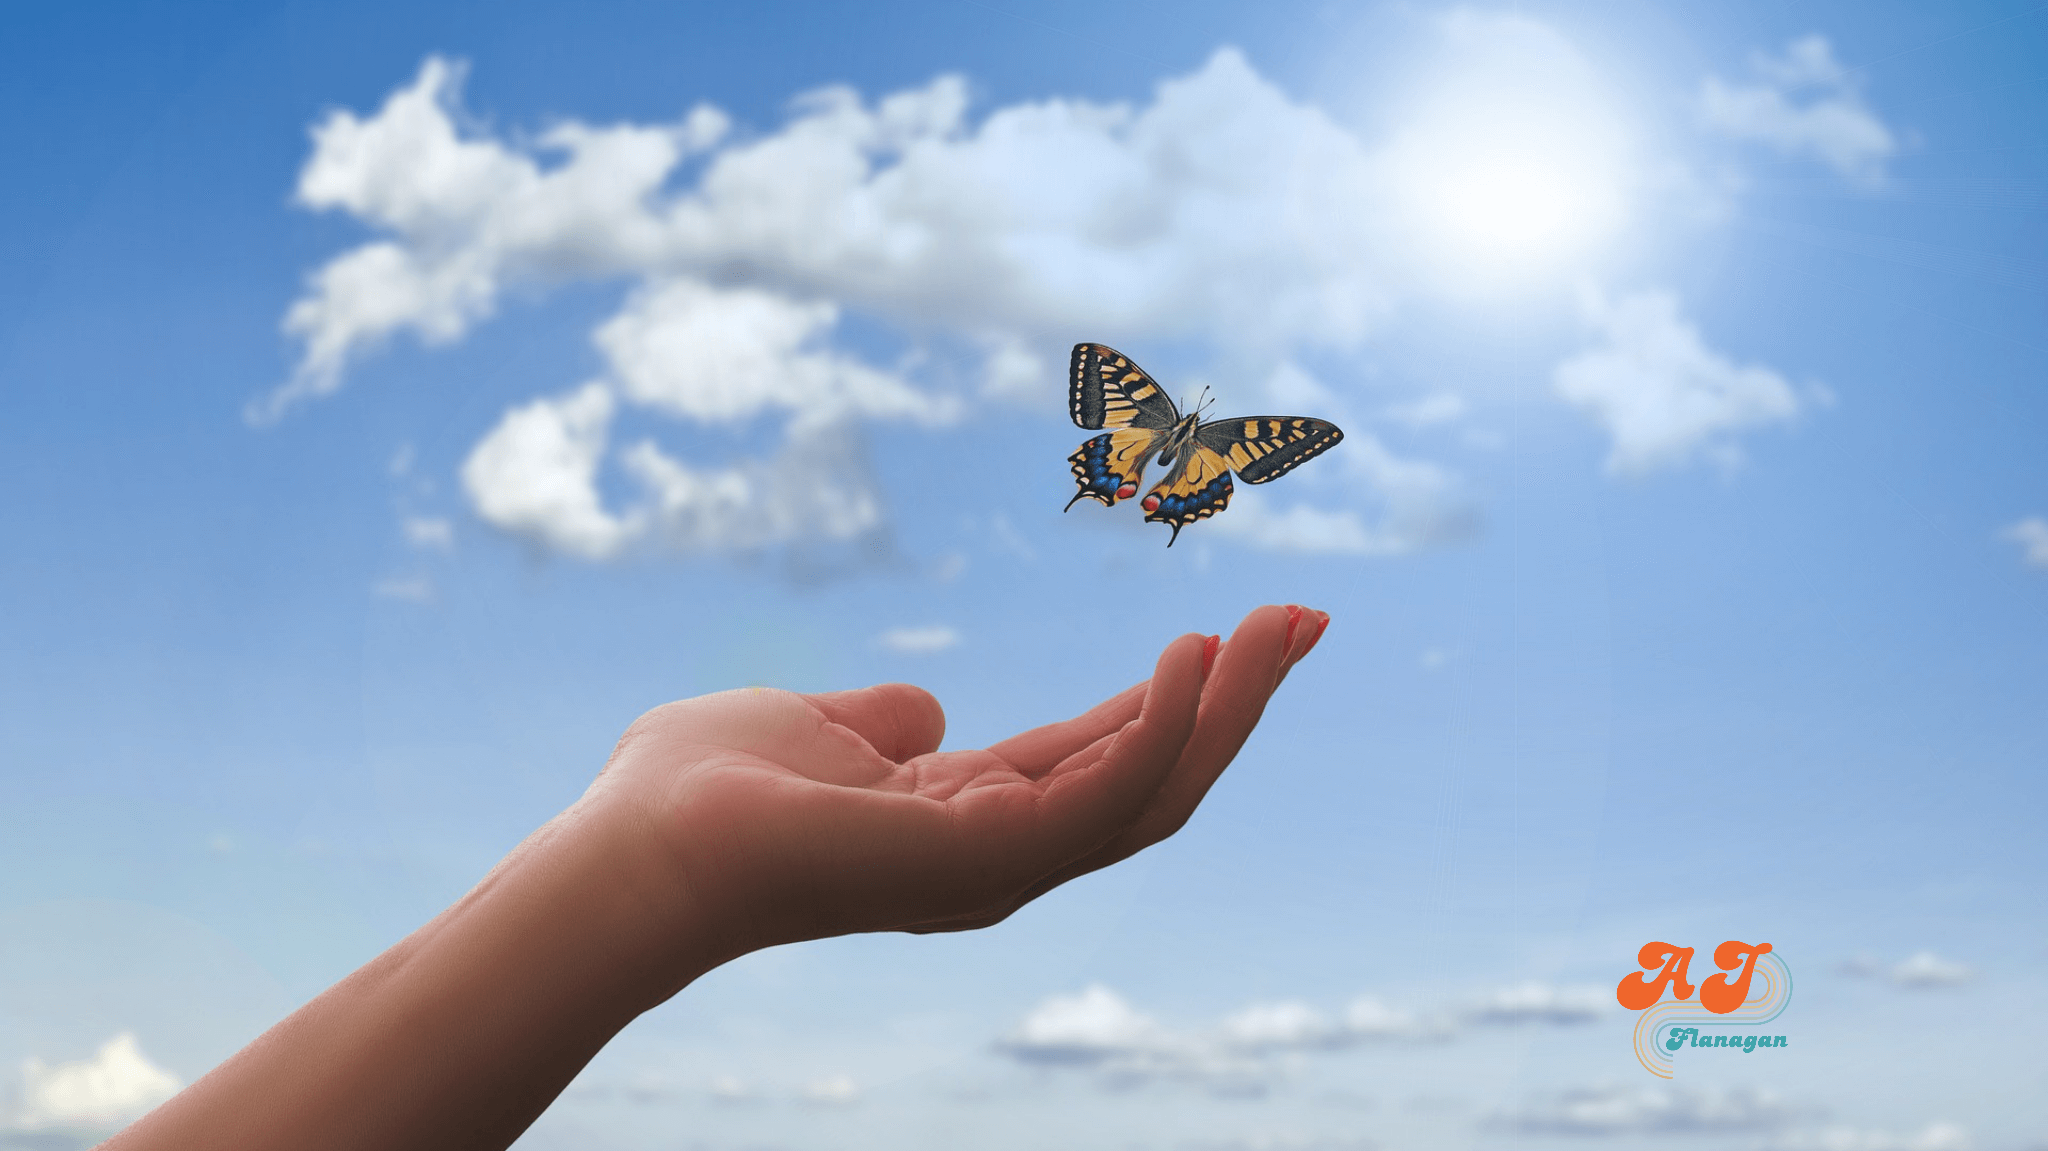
1752 989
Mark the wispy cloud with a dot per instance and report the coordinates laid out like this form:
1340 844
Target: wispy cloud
1921 971
925 640
832 1091
1534 1002
1098 1031
2032 536
1660 392
1925 969
1937 1136
1429 411
1803 103
1610 1109
429 533
410 589
1281 1141
115 1086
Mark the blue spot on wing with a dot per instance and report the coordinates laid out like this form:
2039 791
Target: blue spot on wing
1091 472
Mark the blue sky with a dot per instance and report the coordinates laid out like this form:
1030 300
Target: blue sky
399 399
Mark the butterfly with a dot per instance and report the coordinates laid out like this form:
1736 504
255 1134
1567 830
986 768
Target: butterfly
1106 390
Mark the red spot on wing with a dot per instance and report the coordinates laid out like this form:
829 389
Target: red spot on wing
1151 504
1127 491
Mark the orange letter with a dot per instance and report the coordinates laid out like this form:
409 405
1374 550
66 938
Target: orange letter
1639 991
1717 994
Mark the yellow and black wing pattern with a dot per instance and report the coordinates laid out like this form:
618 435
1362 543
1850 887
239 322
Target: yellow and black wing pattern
1107 390
1264 448
1196 490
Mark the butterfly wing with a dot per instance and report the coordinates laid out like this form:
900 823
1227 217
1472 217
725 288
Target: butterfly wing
1264 448
1196 490
1106 390
1112 465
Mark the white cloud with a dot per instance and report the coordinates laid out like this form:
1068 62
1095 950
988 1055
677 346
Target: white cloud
412 589
1662 395
1220 210
919 640
1804 104
1089 1028
1920 971
722 355
730 1089
467 214
1366 1018
1295 392
1615 1110
1220 207
1274 1026
1422 504
535 474
429 532
2032 536
1925 969
1254 520
832 1091
1534 1002
1936 1136
817 487
360 298
1014 371
1098 1031
116 1085
1429 411
1282 1141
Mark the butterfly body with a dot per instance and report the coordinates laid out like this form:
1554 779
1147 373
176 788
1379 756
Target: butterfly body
1106 390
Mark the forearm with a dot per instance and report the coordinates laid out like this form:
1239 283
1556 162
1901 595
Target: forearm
460 1035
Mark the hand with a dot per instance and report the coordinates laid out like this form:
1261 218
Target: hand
767 817
722 825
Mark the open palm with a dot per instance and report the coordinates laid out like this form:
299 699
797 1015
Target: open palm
776 816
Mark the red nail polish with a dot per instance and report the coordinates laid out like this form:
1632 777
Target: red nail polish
1210 647
1293 619
1322 625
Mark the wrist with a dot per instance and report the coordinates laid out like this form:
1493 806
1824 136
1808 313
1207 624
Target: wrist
595 888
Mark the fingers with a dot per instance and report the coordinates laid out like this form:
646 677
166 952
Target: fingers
1262 650
1039 750
899 721
1100 788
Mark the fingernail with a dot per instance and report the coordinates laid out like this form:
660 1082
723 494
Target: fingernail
1322 625
1293 619
1210 647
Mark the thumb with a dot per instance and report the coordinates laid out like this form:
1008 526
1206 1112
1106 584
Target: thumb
898 720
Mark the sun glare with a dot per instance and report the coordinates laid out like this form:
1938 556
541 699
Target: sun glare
1510 165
